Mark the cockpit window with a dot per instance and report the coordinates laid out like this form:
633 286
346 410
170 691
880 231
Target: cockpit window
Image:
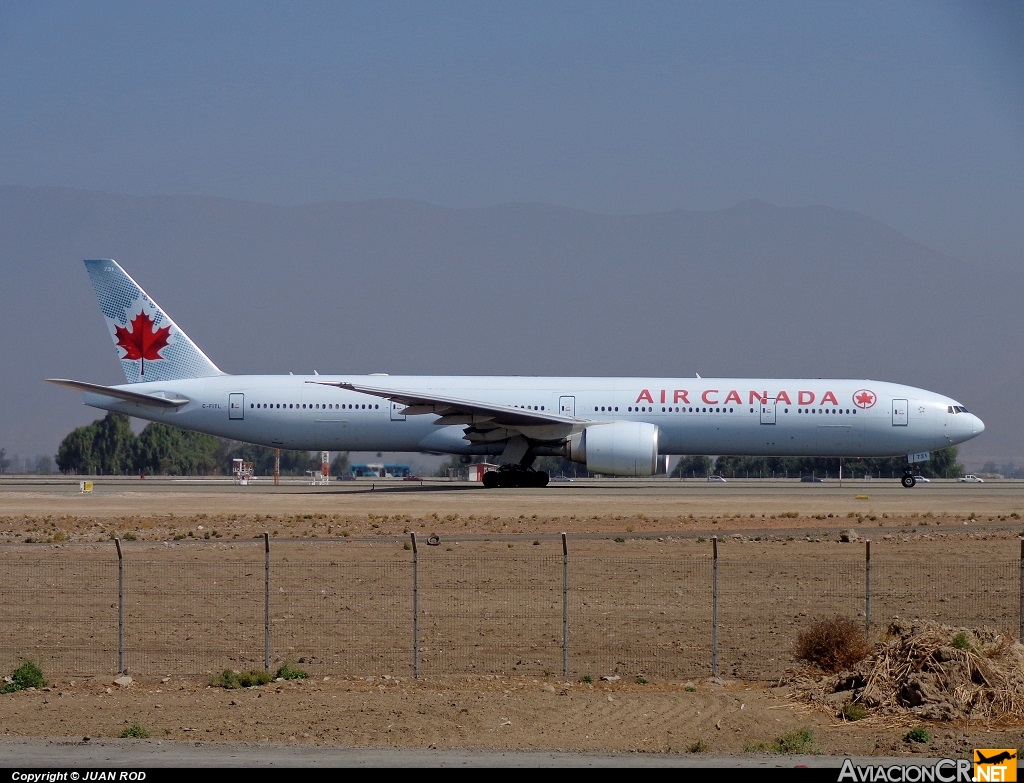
956 409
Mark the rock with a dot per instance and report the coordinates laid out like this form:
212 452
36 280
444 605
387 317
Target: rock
918 690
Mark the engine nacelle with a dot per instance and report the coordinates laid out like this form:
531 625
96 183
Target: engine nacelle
619 448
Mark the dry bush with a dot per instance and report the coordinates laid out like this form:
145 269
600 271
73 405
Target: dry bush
833 644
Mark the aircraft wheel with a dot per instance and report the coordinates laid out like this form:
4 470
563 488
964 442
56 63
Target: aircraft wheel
541 479
490 479
908 481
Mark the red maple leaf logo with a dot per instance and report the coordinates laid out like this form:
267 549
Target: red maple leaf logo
864 398
143 341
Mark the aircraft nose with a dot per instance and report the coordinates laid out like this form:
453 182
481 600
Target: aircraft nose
977 425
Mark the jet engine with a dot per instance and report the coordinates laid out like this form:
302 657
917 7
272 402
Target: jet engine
618 448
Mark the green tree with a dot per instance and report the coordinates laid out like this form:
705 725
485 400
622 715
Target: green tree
74 455
559 466
943 464
295 463
4 462
452 466
692 466
339 465
1008 470
114 444
104 447
43 464
756 467
163 449
262 458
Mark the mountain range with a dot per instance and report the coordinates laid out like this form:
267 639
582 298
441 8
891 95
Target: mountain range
755 290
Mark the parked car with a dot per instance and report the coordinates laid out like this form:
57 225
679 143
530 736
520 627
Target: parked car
972 479
922 480
717 478
812 479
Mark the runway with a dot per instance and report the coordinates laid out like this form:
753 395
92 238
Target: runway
652 498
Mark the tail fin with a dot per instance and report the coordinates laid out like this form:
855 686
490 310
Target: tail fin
150 345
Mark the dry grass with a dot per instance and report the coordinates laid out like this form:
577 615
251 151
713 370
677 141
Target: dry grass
929 671
833 644
927 668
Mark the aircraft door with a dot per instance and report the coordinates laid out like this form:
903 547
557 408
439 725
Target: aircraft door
567 406
899 413
397 411
236 405
768 412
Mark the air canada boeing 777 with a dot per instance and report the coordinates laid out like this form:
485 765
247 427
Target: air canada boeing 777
613 426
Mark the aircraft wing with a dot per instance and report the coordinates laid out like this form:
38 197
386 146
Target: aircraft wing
121 394
454 410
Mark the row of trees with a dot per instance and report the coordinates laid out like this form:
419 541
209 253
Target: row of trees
943 464
1006 470
41 463
108 446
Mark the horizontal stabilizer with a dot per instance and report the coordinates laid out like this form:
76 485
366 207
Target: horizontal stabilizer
122 394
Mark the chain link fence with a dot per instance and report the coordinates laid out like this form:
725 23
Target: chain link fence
338 607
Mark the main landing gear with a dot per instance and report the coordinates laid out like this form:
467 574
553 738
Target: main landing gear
515 476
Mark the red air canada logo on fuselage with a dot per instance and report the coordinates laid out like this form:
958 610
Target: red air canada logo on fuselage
144 341
864 398
724 397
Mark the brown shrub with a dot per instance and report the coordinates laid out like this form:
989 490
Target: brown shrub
833 643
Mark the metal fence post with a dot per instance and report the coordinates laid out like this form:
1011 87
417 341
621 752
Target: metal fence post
867 585
266 601
415 609
120 607
565 607
714 606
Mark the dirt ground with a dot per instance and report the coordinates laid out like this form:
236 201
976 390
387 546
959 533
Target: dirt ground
497 712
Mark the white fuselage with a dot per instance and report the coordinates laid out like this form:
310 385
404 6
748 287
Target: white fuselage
713 416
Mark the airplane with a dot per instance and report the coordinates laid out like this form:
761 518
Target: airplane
1005 755
617 426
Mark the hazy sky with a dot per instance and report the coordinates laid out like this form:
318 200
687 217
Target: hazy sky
910 112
